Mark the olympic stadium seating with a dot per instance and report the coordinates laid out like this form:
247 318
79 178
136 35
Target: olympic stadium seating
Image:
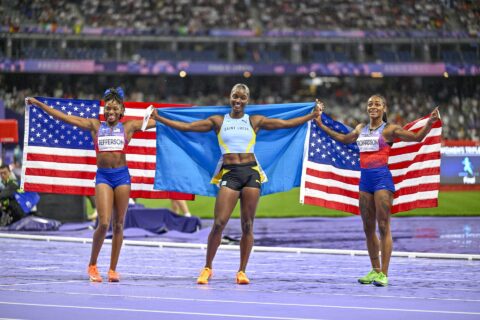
200 16
259 32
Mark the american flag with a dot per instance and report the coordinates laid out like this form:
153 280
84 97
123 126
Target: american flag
60 158
331 169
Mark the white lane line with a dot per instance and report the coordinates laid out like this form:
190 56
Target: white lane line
296 292
251 316
411 262
202 246
40 268
40 283
242 290
156 311
62 255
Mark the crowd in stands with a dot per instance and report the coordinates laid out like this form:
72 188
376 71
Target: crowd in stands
262 17
459 110
168 17
351 14
199 17
408 98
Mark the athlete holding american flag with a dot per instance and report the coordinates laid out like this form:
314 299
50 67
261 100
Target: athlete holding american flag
112 180
376 185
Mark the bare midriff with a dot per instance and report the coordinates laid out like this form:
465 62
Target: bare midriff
111 160
238 158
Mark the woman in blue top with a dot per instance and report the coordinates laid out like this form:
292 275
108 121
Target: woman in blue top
112 180
240 176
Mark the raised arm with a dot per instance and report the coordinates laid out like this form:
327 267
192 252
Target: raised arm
261 122
395 131
84 123
343 138
213 122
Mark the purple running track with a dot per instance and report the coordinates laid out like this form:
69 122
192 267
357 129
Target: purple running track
47 280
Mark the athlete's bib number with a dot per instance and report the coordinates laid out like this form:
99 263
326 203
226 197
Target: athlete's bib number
368 143
110 143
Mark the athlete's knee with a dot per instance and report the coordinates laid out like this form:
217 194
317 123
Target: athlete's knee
102 227
383 227
247 226
219 225
117 227
369 226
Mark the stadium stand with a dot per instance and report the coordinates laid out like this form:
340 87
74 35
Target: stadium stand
256 33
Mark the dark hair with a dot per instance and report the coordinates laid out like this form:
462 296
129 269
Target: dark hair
116 94
384 101
5 166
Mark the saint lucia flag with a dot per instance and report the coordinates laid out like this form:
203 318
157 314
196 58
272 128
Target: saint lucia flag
186 161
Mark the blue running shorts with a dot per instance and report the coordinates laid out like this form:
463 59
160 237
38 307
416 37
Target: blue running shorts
114 177
375 179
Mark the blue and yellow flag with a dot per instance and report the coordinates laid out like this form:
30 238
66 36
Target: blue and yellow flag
186 161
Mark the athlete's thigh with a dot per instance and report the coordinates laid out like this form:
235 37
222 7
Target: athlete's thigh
104 198
248 202
383 203
122 194
367 205
225 202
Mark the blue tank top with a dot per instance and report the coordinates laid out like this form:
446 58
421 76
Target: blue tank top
236 135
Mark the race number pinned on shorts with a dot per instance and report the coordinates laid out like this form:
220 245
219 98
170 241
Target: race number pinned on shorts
146 117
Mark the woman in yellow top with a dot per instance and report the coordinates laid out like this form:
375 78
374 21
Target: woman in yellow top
240 176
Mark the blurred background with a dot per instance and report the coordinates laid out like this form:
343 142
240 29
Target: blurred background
418 54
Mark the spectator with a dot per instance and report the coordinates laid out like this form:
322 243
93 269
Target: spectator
10 209
181 206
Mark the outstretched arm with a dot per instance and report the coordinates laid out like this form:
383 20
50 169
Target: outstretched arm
197 126
84 123
261 122
343 138
398 132
136 125
132 126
